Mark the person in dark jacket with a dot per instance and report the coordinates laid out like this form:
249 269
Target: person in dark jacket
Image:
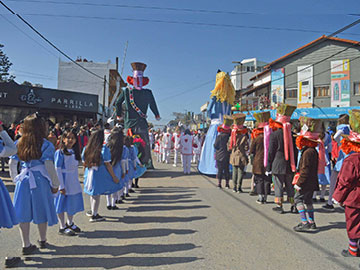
238 145
222 155
262 181
281 161
311 163
347 189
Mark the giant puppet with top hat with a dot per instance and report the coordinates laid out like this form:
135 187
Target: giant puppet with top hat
222 98
137 100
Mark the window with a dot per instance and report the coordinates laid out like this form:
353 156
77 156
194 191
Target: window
322 91
291 93
356 88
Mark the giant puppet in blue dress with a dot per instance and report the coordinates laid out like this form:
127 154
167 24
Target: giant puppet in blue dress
222 98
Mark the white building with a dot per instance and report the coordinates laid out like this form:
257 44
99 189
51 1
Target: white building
74 78
244 70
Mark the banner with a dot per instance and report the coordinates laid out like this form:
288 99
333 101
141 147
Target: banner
340 83
305 87
277 86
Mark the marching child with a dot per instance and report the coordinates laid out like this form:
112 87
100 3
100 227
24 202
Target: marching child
176 141
115 144
70 199
347 192
33 199
99 177
186 146
311 163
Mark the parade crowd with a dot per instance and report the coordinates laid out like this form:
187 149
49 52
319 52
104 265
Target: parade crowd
44 165
301 159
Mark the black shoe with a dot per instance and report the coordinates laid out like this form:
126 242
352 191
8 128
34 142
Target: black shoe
219 186
89 213
115 207
346 253
73 227
42 244
227 186
294 210
127 195
240 190
312 226
328 206
29 250
12 261
314 200
96 218
119 202
123 197
302 227
260 201
67 232
278 209
136 186
109 207
131 190
322 200
234 190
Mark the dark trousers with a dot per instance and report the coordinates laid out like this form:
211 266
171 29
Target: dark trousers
237 176
263 184
223 170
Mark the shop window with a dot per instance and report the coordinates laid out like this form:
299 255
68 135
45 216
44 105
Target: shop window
291 93
322 91
356 88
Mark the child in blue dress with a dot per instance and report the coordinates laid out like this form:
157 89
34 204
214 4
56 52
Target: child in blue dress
99 177
8 217
115 144
33 199
132 165
70 199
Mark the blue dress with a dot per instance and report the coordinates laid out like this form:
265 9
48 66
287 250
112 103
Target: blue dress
139 170
118 172
324 179
67 171
33 200
101 182
132 158
216 111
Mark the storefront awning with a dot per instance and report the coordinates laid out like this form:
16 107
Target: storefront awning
328 113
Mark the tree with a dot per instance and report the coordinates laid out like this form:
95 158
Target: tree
5 65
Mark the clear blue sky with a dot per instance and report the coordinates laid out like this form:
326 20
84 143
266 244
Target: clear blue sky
180 57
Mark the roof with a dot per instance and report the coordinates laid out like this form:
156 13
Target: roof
251 90
320 39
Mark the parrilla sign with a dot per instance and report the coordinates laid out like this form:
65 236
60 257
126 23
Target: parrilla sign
12 94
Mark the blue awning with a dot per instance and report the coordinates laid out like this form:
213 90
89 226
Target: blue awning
317 113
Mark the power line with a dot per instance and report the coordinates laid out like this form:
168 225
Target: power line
183 23
50 43
139 7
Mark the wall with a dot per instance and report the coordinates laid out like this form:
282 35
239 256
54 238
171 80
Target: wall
321 71
71 77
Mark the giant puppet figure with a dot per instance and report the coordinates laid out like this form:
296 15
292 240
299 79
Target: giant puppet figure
137 100
223 97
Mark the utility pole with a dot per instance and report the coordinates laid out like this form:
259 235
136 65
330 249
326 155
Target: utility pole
103 106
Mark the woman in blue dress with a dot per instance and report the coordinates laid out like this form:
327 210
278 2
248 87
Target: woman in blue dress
99 176
36 183
70 200
115 144
223 97
8 217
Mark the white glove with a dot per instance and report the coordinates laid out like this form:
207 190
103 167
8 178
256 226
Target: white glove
268 173
297 187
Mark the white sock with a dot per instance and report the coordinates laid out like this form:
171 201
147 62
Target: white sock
25 233
70 219
42 227
61 218
95 203
108 200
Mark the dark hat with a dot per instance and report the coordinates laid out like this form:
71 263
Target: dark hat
138 66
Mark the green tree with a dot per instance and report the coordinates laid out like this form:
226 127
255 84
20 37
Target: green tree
5 65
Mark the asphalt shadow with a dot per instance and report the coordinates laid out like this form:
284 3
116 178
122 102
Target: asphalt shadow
108 263
156 219
163 174
164 208
160 197
133 234
333 225
165 201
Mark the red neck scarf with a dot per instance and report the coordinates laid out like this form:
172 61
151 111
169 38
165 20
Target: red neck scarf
236 130
256 132
348 146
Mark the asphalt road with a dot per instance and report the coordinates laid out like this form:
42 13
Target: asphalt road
184 222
